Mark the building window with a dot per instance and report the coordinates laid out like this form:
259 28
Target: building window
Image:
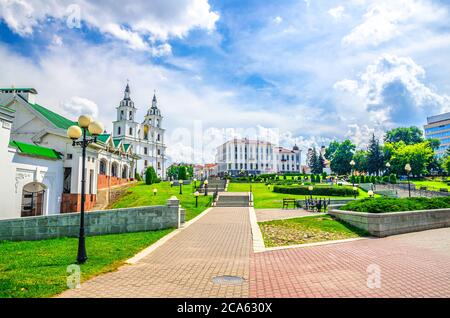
131 131
145 163
159 137
159 152
69 156
32 200
131 115
102 167
121 115
67 180
91 181
145 151
159 165
119 131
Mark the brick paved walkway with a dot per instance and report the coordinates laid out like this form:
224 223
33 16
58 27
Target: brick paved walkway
217 244
412 265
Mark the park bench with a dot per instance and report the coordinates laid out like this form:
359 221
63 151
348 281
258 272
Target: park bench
288 201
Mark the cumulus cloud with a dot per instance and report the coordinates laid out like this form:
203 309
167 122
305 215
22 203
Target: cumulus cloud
139 24
76 106
386 20
277 20
392 91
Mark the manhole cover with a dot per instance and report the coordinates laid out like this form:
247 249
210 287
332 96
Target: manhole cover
228 280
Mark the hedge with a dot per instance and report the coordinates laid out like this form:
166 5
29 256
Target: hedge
380 205
322 190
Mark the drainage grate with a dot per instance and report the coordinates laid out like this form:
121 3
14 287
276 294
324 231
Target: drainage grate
228 280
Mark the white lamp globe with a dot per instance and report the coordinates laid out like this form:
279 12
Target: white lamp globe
95 128
84 121
74 132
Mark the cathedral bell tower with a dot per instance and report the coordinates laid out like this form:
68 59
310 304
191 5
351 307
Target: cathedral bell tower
125 126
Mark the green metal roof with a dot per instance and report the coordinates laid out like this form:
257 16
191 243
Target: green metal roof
116 142
56 119
7 109
34 150
126 146
103 138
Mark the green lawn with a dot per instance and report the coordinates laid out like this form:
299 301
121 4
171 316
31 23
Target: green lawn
39 268
142 194
267 199
304 230
432 185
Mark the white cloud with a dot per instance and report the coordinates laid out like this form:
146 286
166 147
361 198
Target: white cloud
148 21
392 90
277 20
337 13
386 20
76 106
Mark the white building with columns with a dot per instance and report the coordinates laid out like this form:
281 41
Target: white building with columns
256 157
147 137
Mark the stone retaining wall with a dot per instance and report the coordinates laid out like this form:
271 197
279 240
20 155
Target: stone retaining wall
392 223
146 218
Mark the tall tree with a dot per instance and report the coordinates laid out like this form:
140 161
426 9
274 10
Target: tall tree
320 164
409 135
331 149
360 158
374 156
419 156
312 160
340 161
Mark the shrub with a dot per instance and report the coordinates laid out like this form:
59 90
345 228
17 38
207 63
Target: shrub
393 178
137 176
373 179
320 190
150 176
380 205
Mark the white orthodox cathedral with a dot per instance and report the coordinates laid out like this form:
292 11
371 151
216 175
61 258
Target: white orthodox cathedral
147 138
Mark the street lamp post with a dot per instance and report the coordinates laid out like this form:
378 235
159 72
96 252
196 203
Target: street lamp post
408 170
95 128
370 193
171 184
195 183
355 190
196 194
352 164
181 186
310 188
155 191
206 187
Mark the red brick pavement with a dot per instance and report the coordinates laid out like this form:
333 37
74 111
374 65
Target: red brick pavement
412 265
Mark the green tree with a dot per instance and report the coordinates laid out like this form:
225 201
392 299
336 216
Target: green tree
312 160
331 149
182 173
150 176
374 156
419 156
409 135
340 162
360 158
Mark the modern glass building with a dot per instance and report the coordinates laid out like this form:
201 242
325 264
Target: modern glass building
439 127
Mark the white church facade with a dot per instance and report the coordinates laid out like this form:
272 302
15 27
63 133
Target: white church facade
41 169
147 137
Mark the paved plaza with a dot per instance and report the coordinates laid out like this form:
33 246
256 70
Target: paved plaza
220 244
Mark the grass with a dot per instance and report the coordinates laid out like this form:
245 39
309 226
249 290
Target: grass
304 230
432 185
267 199
381 205
39 268
142 194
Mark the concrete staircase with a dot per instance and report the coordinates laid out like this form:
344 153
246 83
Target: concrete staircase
230 199
214 184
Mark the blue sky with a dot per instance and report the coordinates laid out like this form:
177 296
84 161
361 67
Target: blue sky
300 71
